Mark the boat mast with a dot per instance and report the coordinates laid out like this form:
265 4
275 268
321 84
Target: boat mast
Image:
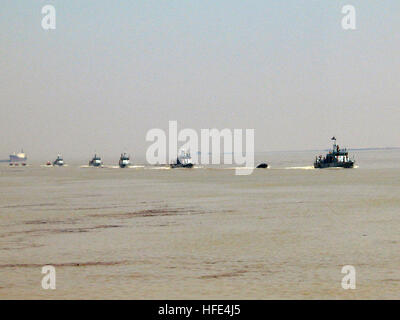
334 143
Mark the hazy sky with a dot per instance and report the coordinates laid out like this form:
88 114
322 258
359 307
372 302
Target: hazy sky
112 70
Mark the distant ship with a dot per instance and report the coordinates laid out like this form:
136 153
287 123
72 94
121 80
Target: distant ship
184 160
59 161
17 158
336 158
96 161
124 160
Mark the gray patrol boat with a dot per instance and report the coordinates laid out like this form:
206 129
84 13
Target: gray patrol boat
335 158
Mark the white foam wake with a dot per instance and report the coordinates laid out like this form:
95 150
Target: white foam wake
300 168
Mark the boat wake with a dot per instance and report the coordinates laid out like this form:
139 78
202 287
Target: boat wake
87 166
300 168
233 168
53 166
118 167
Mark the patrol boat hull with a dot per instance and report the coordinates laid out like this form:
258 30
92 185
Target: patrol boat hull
94 164
349 164
18 158
181 165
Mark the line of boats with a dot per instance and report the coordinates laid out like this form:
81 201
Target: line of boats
184 160
335 158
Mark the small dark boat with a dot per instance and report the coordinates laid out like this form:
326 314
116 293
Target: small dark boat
262 166
183 161
96 161
124 160
335 158
59 161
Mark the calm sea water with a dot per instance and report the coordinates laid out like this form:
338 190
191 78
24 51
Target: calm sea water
146 233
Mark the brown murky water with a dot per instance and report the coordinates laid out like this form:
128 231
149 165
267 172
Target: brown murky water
203 233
